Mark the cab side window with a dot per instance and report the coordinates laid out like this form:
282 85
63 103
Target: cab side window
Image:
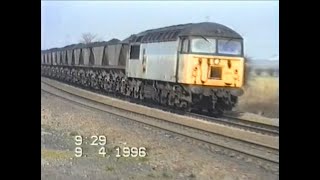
135 52
185 45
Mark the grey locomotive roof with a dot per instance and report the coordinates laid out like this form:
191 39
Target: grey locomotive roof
171 33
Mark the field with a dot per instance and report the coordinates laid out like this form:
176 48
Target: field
261 96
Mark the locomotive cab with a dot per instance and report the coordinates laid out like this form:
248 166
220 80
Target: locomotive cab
211 62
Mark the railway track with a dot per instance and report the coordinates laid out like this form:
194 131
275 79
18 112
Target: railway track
262 149
242 124
269 128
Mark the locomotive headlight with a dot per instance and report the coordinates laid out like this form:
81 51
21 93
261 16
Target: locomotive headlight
216 61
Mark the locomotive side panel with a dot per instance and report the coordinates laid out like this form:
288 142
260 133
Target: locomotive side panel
157 61
133 62
161 61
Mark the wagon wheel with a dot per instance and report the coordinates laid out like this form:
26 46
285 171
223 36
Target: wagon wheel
141 91
123 87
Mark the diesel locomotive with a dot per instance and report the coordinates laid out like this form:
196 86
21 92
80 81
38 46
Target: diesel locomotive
195 66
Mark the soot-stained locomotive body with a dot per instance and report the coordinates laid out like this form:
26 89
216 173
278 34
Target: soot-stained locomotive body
196 66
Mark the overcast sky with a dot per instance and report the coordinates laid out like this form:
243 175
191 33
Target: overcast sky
63 22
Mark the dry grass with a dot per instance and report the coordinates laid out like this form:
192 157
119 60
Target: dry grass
55 154
261 96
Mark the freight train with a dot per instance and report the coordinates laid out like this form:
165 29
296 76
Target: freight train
195 66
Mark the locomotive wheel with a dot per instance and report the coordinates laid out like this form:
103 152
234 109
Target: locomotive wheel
156 95
136 93
184 105
163 97
171 99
